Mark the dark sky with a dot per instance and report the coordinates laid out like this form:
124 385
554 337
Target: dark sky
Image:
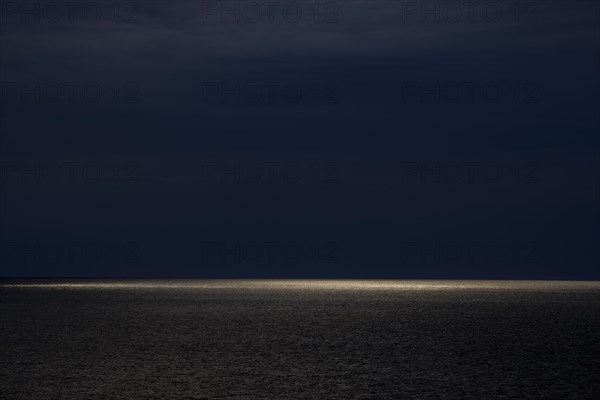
357 139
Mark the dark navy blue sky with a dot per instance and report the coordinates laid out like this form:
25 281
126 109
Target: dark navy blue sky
357 139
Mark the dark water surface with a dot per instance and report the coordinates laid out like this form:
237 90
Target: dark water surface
299 340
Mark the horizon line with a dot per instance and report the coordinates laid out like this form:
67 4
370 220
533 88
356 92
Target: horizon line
294 278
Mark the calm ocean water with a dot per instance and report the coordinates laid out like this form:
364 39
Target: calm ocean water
299 340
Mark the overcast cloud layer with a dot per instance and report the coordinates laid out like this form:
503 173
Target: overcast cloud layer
379 139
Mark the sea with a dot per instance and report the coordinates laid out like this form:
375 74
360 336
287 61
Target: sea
299 339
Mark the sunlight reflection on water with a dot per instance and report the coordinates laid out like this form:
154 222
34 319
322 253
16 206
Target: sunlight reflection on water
360 285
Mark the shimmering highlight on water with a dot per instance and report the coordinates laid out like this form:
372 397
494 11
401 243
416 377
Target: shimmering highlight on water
307 284
306 339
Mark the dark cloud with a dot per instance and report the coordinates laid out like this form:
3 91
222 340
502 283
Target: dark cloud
388 137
